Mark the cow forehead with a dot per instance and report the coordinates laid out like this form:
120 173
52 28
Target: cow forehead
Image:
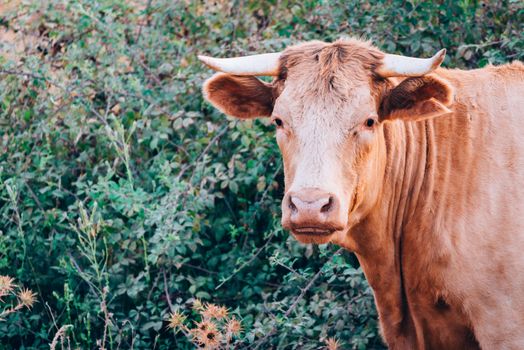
330 64
332 82
303 106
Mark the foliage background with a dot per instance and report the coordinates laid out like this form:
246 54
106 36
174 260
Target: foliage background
123 196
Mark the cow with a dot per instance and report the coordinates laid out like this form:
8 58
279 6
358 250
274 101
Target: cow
417 169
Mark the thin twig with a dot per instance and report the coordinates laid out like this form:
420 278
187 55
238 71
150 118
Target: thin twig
202 154
31 75
237 270
33 195
171 308
297 300
103 307
146 12
480 46
264 194
199 268
59 335
94 289
52 315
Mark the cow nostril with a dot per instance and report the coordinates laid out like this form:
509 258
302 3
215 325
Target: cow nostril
327 207
292 205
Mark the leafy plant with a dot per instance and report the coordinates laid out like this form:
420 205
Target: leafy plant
124 197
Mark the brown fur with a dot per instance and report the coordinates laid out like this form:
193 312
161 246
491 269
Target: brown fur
419 98
243 97
433 207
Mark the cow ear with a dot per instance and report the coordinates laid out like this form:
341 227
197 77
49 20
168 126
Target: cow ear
417 99
239 96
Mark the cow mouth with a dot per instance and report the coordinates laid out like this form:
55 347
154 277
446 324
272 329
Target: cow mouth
312 231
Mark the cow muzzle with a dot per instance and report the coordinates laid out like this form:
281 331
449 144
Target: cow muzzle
312 213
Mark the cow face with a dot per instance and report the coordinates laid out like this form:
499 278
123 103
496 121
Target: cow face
328 104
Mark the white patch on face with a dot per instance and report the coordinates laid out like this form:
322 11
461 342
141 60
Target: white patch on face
322 134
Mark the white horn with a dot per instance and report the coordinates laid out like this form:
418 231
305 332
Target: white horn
260 65
402 66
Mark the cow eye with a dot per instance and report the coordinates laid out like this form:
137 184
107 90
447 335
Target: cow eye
370 122
278 122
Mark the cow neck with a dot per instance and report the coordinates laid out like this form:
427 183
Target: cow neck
407 188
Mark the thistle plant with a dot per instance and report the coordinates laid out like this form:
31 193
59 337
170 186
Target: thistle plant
332 344
13 298
216 328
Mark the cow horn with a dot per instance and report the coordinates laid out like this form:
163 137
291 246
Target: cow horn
402 66
261 65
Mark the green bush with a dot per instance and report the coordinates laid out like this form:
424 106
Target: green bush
124 197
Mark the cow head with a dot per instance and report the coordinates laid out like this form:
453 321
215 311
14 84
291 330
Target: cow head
329 103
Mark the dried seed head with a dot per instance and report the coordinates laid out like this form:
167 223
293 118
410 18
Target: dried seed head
332 344
211 339
27 297
205 325
197 305
221 312
234 327
214 311
6 285
206 334
176 319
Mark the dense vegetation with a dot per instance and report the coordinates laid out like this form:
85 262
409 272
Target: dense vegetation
125 198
